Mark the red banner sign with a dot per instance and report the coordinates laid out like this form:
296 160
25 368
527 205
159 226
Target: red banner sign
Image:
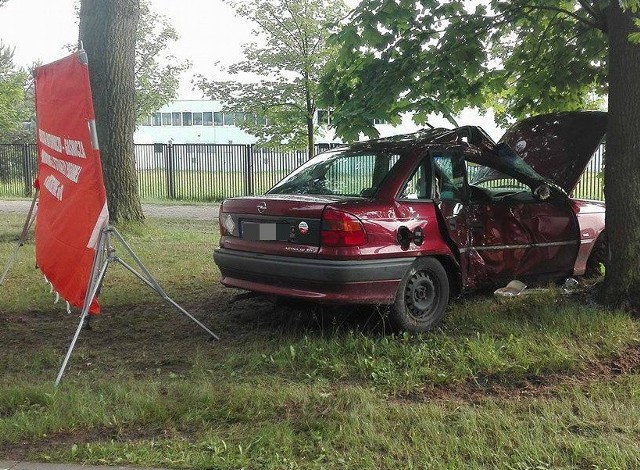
72 208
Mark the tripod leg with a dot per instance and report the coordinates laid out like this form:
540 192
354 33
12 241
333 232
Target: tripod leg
94 285
149 280
85 312
156 287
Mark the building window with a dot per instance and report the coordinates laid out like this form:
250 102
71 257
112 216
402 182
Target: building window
166 119
197 119
146 121
156 119
176 119
217 118
262 120
228 119
207 119
380 121
186 119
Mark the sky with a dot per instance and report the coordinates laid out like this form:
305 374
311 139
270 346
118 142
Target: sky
209 32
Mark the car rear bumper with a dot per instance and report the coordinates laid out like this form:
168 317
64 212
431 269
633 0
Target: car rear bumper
352 281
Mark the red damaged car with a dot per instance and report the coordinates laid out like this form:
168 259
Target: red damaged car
413 220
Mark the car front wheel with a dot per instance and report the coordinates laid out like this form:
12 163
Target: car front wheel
422 296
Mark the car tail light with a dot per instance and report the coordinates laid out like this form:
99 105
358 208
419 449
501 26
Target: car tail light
225 220
341 229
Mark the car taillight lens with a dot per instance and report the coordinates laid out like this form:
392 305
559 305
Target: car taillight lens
341 229
227 225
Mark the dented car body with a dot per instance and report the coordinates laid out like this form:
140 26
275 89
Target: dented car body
413 220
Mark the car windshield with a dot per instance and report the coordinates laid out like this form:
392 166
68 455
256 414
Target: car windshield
340 173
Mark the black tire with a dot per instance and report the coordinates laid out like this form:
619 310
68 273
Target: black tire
422 297
598 257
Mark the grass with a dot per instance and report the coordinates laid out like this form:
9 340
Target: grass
540 382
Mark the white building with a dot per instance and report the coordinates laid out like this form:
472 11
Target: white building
204 122
191 122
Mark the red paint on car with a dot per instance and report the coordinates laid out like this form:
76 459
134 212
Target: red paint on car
412 220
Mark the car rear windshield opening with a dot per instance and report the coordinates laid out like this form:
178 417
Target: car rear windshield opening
339 173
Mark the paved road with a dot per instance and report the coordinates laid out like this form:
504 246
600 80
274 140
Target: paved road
13 465
199 212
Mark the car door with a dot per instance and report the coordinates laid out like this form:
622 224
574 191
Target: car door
501 236
449 194
517 236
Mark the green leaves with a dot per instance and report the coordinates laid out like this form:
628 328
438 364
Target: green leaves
157 73
14 109
434 56
289 54
632 5
635 37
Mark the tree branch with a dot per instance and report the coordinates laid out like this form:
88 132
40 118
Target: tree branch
278 20
295 22
284 105
566 12
597 13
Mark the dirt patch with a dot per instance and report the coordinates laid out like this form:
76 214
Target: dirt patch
64 440
507 387
130 340
141 341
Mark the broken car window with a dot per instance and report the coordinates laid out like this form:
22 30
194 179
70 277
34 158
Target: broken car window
449 176
340 174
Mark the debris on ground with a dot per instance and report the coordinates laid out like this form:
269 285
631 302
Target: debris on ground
517 288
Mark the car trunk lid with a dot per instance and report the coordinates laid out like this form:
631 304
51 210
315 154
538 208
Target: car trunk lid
274 224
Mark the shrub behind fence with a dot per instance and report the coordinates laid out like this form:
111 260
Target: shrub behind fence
212 172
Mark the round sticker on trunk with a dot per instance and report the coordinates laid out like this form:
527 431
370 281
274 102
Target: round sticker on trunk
303 227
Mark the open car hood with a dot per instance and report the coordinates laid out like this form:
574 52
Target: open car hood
558 146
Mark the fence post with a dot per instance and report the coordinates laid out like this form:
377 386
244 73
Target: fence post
26 171
170 168
248 170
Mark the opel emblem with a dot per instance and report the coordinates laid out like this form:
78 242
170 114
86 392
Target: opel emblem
262 207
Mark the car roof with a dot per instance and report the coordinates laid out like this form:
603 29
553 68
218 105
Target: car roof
471 135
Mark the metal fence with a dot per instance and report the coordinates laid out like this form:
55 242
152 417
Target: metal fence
212 172
18 167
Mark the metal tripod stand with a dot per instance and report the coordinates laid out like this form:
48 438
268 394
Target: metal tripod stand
105 255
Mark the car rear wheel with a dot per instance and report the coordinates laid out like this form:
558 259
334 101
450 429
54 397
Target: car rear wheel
422 296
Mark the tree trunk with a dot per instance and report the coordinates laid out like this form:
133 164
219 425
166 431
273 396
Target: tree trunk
310 137
311 110
108 32
622 164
